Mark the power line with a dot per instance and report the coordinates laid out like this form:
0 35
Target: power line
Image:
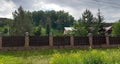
107 3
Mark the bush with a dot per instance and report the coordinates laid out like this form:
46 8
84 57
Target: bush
65 59
86 57
116 29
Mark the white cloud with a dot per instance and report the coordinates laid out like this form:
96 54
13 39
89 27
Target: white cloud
110 9
51 6
46 6
6 9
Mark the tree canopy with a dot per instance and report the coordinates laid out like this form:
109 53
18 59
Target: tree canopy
52 22
22 22
89 24
116 29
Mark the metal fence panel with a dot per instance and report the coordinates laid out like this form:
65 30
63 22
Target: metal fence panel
99 40
81 41
39 41
13 41
61 40
114 40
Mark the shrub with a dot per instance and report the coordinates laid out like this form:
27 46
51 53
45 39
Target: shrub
65 59
86 57
116 29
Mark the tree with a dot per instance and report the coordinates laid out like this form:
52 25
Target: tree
59 19
82 26
38 31
89 24
93 24
80 29
116 29
88 20
48 26
5 26
22 22
100 24
48 30
64 20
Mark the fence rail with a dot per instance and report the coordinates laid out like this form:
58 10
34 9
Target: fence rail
74 41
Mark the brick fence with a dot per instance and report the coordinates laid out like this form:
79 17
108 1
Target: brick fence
40 42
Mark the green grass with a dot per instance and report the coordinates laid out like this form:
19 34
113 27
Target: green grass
61 56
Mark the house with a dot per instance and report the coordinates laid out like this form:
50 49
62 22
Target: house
68 30
108 29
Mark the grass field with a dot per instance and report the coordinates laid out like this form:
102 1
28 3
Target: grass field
61 56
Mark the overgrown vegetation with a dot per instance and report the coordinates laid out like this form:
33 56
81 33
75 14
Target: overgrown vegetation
116 29
22 22
87 57
89 24
61 56
49 22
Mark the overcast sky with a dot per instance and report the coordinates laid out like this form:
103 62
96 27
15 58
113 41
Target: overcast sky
110 9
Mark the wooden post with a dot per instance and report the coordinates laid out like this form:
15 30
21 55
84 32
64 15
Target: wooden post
0 41
51 41
71 41
26 39
90 39
107 39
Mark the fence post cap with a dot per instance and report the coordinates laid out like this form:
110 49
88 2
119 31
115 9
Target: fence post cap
26 34
50 34
89 34
106 34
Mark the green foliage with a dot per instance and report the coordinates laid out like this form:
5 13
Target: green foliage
89 24
79 29
56 32
99 24
37 31
5 26
116 29
43 31
61 56
58 19
25 57
87 57
25 22
48 30
22 22
87 18
66 59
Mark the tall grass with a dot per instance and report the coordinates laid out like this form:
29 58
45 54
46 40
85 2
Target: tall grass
61 56
87 57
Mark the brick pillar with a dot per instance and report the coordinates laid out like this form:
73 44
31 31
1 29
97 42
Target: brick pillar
107 39
71 41
90 39
51 41
26 39
0 40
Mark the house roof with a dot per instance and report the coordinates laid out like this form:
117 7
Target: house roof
108 28
68 28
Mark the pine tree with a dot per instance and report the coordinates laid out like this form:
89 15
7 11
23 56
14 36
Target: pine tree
100 23
48 26
22 22
88 20
38 31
